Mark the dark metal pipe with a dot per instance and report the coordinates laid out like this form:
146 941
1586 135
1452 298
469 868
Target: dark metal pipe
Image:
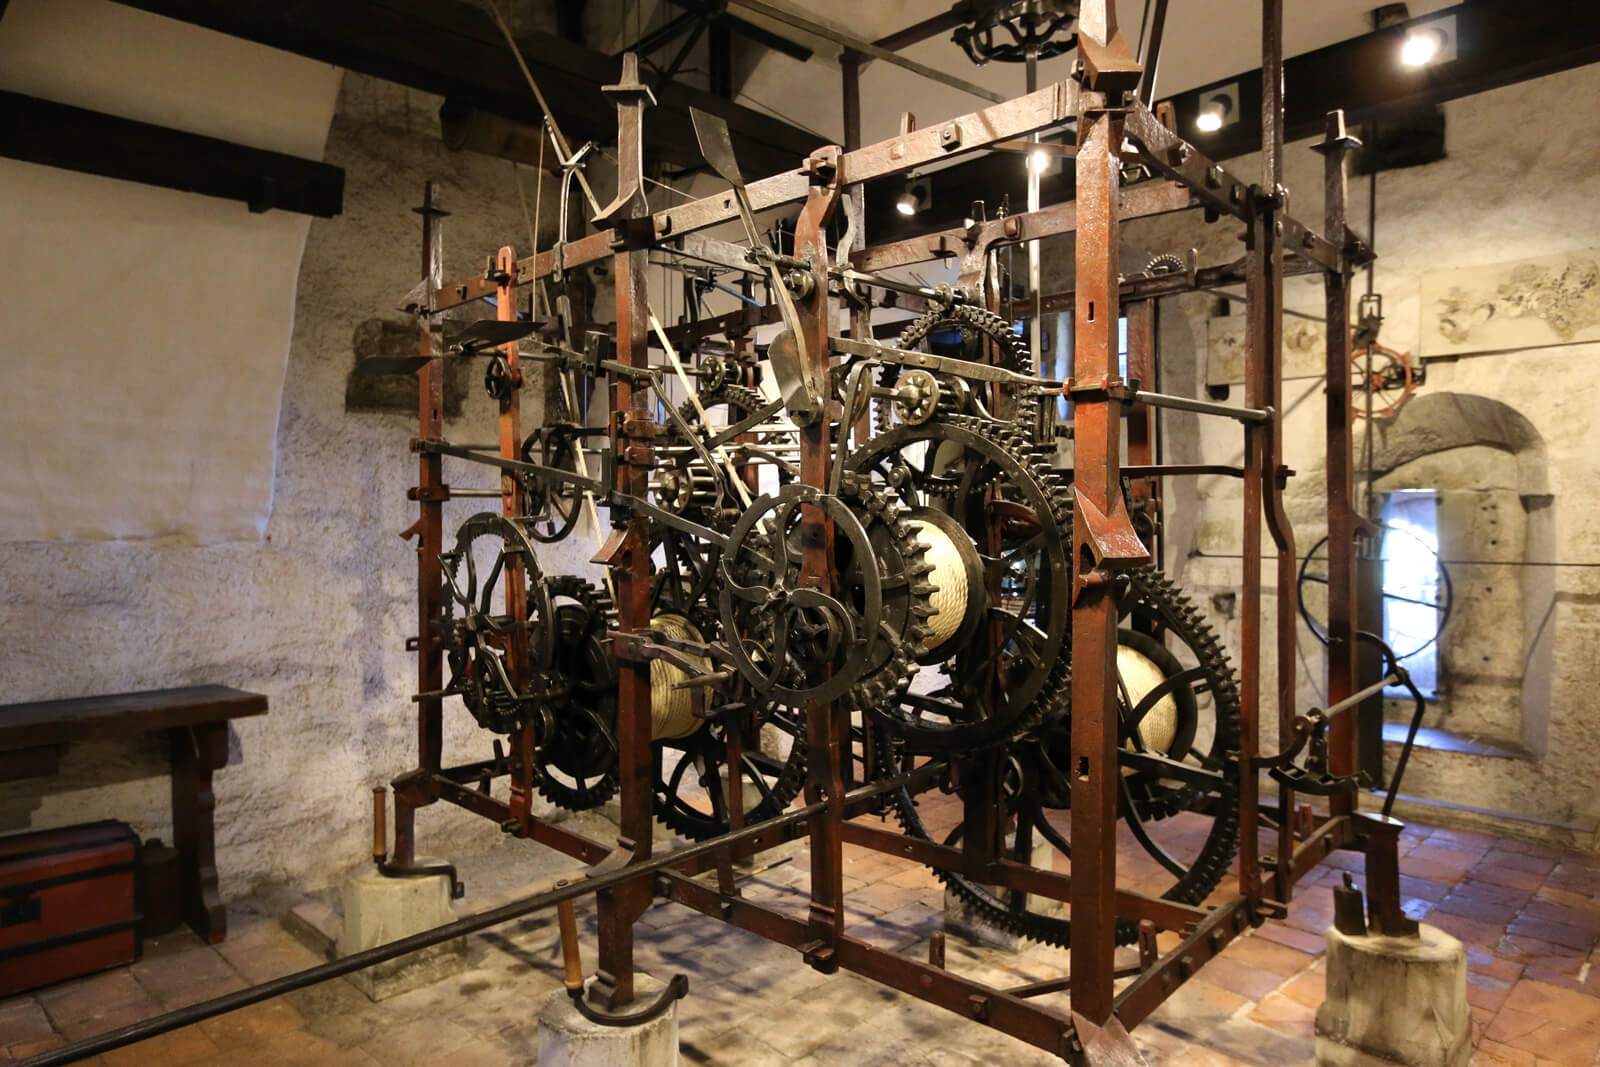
1203 407
206 1009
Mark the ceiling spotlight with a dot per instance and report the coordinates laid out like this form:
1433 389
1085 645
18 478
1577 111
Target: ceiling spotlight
1432 42
915 197
1216 111
1419 49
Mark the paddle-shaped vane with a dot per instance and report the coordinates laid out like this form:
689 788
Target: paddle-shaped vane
476 339
802 395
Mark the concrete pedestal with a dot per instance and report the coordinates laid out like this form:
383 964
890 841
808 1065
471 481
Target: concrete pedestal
1395 1002
378 910
960 920
567 1039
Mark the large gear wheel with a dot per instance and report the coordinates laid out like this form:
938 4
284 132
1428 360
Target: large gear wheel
692 783
576 764
794 644
1002 524
1190 670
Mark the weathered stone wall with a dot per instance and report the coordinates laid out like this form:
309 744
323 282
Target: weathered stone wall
316 614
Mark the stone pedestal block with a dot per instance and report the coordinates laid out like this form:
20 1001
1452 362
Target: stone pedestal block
378 910
960 920
567 1039
1395 1002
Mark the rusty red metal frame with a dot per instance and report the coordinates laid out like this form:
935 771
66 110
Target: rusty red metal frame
626 876
1104 539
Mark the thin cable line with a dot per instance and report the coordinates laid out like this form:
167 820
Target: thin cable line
560 139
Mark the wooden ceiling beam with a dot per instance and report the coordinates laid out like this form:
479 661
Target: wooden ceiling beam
453 49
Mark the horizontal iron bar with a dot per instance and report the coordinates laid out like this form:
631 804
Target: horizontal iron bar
997 1008
1179 470
1166 914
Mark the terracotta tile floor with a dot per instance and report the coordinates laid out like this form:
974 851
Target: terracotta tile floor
1528 915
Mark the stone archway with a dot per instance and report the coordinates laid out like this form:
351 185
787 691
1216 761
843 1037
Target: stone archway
1489 466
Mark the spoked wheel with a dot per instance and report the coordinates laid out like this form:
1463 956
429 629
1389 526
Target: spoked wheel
1178 712
693 794
552 505
576 764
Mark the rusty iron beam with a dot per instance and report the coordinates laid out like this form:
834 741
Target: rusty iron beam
409 790
1139 202
627 555
1166 914
996 1008
1342 518
827 724
1015 118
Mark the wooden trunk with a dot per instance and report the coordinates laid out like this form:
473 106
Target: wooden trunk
67 904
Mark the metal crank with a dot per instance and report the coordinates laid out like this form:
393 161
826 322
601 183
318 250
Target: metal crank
675 990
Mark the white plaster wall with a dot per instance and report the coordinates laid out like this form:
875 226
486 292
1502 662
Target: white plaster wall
314 614
147 328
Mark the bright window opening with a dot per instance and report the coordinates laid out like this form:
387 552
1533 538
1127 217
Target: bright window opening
1411 591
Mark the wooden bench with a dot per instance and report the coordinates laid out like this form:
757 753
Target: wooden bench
195 719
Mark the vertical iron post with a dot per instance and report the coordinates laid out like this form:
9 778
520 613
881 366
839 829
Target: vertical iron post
1287 618
1342 588
626 551
827 724
411 792
1098 515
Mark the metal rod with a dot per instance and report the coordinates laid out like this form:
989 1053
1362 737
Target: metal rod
1204 407
206 1009
1341 706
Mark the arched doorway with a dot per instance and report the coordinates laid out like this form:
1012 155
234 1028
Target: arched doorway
1486 467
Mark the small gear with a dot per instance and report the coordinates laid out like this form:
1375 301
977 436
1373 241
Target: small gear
1012 354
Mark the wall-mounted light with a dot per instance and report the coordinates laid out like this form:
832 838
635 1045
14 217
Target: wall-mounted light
917 196
1430 42
1218 108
